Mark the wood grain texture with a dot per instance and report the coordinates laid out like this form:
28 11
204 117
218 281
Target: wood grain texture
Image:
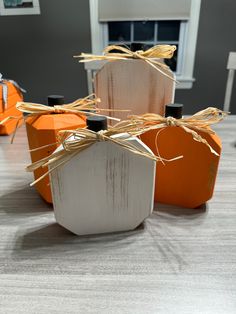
179 261
104 188
134 85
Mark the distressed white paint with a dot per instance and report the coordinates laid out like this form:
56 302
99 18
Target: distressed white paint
105 188
134 85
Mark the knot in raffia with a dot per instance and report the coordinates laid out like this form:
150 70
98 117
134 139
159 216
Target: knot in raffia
137 54
170 121
100 136
58 109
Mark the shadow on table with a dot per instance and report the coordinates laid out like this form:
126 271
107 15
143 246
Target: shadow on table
60 239
181 211
152 242
155 239
22 201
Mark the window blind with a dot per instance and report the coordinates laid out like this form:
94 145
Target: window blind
130 10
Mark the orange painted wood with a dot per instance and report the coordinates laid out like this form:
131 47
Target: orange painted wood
134 85
187 182
14 95
9 126
43 130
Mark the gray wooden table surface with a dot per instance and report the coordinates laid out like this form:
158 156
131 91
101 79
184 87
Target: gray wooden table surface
179 261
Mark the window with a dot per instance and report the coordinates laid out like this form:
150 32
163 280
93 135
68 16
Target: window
142 24
142 35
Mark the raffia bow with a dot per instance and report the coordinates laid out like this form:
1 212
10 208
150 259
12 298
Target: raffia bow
86 106
149 56
84 138
83 106
200 121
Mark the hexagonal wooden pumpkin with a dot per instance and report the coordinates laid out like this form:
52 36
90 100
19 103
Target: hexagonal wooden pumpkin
135 85
104 188
42 130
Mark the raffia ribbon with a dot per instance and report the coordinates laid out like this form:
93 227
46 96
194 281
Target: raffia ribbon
7 119
149 56
82 106
200 121
84 138
2 122
79 106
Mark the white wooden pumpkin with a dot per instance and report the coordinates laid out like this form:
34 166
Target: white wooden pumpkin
104 188
135 85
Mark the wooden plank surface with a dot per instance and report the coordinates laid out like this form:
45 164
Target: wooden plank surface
102 189
179 261
134 85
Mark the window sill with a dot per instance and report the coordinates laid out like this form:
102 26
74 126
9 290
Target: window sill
184 82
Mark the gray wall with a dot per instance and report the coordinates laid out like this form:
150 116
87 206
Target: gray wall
216 37
37 51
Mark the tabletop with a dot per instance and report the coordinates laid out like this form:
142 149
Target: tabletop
177 261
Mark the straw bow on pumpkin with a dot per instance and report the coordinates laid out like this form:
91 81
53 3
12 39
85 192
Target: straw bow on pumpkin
81 139
83 106
200 121
149 56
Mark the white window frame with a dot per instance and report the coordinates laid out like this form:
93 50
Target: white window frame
188 31
20 11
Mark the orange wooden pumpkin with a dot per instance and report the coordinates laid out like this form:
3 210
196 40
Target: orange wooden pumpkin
10 94
42 130
187 182
9 126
